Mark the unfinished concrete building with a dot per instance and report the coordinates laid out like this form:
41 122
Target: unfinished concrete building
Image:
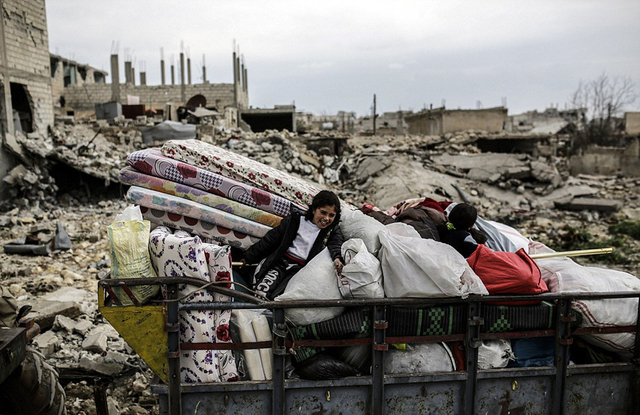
219 95
441 121
25 75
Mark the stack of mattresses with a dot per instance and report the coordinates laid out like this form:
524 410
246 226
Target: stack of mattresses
211 192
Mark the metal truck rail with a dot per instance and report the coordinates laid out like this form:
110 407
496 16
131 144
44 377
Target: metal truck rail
152 331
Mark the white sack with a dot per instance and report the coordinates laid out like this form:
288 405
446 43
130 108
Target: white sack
419 358
318 280
362 275
493 354
514 236
563 275
416 267
356 224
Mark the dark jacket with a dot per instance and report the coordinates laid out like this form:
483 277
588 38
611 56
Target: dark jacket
276 242
462 241
419 219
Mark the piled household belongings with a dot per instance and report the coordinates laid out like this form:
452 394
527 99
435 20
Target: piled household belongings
199 204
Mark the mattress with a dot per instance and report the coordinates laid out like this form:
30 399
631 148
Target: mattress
151 161
173 204
206 230
237 167
132 177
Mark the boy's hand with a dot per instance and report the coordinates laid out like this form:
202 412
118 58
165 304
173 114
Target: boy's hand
338 264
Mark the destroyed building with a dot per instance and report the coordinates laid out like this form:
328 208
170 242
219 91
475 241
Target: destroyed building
440 121
25 76
219 95
66 72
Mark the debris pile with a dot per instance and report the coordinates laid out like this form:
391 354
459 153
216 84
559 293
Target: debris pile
535 195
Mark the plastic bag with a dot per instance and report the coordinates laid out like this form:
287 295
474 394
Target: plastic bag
323 367
420 358
416 267
131 212
494 354
356 224
362 275
318 280
130 257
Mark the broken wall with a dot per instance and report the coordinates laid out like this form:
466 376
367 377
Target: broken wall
608 160
491 120
153 96
25 66
632 122
441 121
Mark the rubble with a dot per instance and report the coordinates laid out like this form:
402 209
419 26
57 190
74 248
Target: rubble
516 189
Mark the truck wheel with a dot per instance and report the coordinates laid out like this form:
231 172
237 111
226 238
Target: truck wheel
32 389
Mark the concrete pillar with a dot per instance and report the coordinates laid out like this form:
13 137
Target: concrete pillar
204 71
399 124
115 79
244 79
127 72
143 78
235 80
173 75
182 94
133 75
162 75
189 71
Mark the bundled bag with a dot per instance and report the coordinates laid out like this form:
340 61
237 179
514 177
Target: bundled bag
493 354
362 275
355 224
420 358
563 275
507 272
317 280
254 327
416 267
129 240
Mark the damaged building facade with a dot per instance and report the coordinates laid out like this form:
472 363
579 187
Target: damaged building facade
25 76
440 121
66 72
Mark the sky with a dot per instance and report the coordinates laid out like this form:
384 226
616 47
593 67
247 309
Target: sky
331 55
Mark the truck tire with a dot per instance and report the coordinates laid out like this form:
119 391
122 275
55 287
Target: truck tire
32 389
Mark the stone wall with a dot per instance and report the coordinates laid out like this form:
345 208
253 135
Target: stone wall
608 160
26 45
153 96
24 60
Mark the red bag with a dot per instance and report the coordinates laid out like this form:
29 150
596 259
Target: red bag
507 272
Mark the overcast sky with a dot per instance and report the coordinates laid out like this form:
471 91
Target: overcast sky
334 55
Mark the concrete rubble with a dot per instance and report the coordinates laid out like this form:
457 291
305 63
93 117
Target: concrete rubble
528 193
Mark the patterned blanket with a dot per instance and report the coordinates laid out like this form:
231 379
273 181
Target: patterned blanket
168 203
208 231
235 166
151 161
133 177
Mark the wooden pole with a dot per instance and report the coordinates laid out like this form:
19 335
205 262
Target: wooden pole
582 252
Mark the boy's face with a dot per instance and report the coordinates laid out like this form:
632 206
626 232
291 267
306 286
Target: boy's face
324 216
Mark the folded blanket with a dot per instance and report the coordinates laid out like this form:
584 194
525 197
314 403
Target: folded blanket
133 177
235 166
208 231
174 204
151 161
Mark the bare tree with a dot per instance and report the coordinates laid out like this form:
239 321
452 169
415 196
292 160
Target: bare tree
600 101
